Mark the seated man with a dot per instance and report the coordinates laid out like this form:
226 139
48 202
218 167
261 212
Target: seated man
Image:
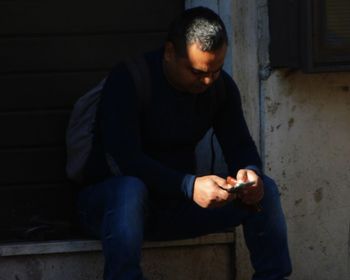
140 177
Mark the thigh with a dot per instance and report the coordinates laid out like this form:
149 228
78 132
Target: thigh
185 219
125 196
170 220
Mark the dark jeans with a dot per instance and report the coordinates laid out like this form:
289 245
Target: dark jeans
120 212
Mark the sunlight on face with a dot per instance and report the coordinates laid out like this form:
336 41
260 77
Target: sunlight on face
195 72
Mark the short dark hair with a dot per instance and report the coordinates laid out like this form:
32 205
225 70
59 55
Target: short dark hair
197 25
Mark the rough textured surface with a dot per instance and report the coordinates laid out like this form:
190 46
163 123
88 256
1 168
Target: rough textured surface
246 75
307 150
201 262
305 136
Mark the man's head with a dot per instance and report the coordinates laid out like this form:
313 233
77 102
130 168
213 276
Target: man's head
195 50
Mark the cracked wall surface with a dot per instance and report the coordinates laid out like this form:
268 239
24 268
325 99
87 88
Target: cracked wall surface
307 131
301 123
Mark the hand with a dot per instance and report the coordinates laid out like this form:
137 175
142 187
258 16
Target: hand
250 195
208 194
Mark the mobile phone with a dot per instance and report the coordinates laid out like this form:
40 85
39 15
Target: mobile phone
239 186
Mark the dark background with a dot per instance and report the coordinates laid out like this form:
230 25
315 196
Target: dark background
50 54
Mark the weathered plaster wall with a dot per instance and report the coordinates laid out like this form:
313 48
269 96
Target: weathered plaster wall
301 123
304 129
245 23
307 149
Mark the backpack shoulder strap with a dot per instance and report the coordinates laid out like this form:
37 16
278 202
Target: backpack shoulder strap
141 75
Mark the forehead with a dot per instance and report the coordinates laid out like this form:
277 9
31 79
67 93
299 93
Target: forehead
204 60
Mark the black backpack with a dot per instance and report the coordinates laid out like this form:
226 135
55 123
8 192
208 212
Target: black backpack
79 134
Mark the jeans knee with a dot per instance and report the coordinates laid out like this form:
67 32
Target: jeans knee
125 210
135 190
270 186
271 202
135 183
126 190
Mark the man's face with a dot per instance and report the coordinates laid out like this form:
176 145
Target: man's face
195 71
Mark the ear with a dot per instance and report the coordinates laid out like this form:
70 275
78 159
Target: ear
169 51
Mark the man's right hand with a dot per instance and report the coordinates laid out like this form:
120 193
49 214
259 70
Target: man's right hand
207 192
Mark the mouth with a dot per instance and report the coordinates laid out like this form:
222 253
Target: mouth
202 88
198 88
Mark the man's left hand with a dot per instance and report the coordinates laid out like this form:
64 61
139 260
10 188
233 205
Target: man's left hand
253 194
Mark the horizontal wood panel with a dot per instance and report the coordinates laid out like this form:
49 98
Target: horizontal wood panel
72 53
31 211
33 129
52 52
40 16
59 198
45 91
29 166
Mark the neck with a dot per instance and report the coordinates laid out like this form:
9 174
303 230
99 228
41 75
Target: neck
167 74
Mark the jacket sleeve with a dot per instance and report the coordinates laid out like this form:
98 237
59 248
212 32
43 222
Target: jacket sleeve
118 121
232 132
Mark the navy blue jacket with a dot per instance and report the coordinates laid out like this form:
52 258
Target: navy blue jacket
158 145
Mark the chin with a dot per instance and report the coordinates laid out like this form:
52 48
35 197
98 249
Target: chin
196 89
200 89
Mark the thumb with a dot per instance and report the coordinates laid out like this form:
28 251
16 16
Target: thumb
242 175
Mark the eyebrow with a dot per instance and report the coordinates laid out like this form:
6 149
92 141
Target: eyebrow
203 72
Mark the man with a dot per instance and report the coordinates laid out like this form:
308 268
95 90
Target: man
158 195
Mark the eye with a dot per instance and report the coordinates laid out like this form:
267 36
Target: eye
197 72
201 74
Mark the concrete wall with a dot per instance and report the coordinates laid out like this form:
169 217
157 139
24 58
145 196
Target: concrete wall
204 258
246 67
304 136
301 123
307 149
197 263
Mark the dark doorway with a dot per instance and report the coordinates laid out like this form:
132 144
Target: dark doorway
50 54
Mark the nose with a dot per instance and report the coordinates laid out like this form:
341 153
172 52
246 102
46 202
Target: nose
208 80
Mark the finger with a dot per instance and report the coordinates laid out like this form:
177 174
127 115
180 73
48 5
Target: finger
226 198
250 203
240 196
226 187
250 198
218 180
231 181
242 175
252 176
218 204
223 194
253 195
233 196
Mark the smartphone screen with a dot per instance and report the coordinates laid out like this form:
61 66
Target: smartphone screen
239 186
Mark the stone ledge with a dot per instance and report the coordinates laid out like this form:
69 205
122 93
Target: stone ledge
88 245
